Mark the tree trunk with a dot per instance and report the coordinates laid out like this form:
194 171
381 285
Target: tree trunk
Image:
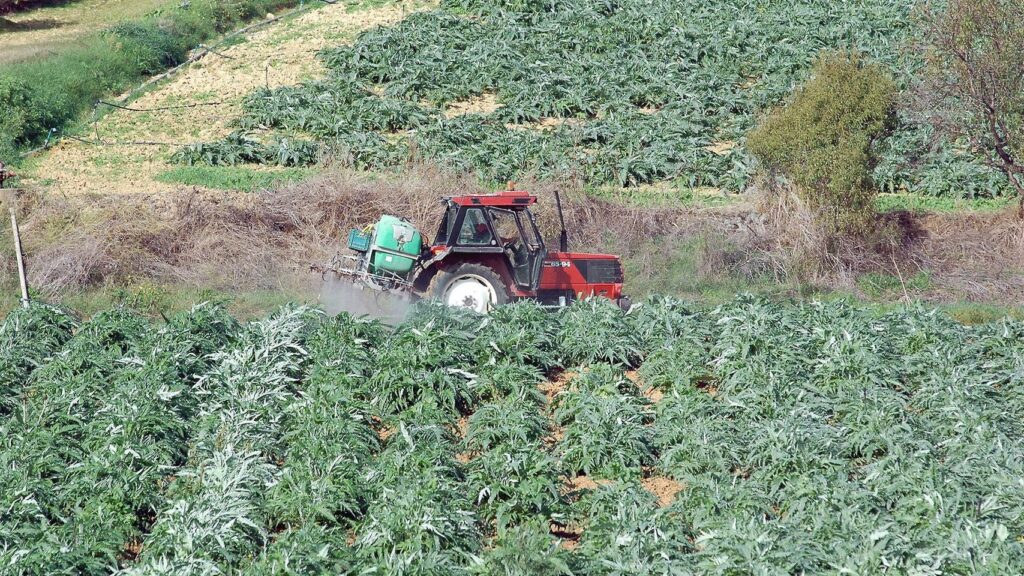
1012 177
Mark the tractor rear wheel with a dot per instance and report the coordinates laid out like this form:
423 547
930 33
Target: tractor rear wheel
471 286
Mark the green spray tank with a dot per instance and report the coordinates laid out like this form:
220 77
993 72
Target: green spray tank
391 247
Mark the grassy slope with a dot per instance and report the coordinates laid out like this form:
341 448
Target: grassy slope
282 54
49 29
41 96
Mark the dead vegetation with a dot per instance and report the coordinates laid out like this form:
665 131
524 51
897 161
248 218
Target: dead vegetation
970 256
269 239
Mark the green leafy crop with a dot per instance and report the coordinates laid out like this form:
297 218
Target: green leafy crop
784 438
513 421
596 330
628 93
606 429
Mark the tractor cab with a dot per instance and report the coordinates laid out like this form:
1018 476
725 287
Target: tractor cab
498 224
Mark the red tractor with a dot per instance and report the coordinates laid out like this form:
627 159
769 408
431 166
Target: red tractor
487 252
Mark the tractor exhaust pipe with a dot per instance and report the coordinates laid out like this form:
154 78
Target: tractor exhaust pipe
563 237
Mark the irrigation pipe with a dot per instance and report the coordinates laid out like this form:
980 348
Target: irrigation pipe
122 142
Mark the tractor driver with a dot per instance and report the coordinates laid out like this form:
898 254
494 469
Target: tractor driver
475 230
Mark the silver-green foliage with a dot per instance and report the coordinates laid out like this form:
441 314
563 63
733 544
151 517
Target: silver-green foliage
513 421
524 549
625 532
596 330
808 438
28 337
648 86
215 517
835 440
99 428
606 427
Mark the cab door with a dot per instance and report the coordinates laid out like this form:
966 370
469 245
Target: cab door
518 237
535 242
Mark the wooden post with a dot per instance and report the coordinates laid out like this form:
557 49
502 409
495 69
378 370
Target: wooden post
11 196
20 257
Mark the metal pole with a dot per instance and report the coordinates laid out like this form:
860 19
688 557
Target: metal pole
563 238
21 259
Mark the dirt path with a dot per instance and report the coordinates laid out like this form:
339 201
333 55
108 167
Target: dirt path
281 54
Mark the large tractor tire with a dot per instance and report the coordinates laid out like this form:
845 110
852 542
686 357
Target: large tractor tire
471 286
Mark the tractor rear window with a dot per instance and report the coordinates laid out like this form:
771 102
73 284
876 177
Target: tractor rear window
444 231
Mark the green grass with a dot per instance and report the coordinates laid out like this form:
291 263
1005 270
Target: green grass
879 284
974 313
915 203
670 266
155 299
678 194
240 178
670 195
682 269
53 26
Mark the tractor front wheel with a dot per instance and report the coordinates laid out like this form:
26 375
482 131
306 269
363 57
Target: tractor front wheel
468 286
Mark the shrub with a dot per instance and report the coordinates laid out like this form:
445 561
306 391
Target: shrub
822 140
976 92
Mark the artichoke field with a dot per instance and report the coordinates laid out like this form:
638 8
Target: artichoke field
623 93
815 438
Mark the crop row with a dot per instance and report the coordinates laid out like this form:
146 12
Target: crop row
628 92
816 438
